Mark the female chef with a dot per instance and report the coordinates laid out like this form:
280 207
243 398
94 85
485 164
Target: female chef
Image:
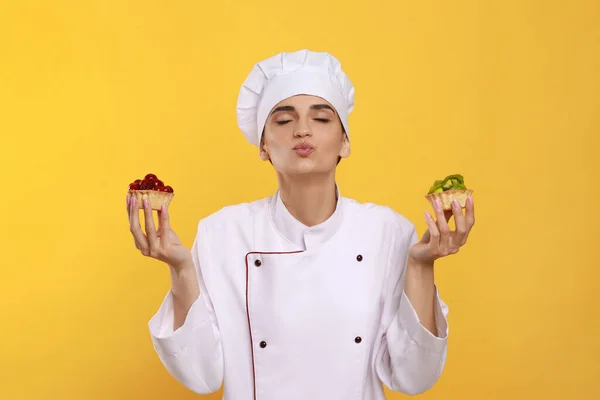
304 294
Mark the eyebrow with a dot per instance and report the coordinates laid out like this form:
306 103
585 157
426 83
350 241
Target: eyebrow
313 107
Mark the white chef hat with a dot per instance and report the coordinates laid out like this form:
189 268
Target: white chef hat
289 74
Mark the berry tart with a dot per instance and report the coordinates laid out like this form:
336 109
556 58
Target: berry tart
153 189
448 189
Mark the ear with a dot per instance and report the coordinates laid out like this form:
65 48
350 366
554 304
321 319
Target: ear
264 155
345 151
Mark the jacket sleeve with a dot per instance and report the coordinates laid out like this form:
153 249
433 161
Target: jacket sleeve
192 354
410 359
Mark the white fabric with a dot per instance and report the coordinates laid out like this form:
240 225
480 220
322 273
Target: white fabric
288 74
298 234
308 305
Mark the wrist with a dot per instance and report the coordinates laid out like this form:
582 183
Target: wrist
183 268
419 278
184 283
419 265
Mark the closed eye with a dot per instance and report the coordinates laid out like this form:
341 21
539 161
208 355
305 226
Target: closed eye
324 120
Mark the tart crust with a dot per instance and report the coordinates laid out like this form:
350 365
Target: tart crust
449 195
157 199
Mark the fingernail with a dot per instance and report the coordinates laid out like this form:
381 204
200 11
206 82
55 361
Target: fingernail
163 208
438 204
145 203
455 203
128 199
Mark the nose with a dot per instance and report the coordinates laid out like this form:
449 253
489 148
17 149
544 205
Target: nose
301 134
302 129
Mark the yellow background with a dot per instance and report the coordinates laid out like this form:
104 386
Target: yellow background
94 94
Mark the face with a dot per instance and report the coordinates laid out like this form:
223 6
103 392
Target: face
303 134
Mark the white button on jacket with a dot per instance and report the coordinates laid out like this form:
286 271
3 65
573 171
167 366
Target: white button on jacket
296 313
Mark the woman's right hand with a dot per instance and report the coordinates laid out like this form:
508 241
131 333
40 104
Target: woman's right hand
161 244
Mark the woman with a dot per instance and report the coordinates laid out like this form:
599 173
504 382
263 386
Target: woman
305 294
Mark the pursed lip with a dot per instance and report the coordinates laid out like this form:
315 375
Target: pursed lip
304 146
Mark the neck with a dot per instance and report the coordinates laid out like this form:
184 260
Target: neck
310 199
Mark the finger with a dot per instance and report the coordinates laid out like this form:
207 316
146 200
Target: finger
130 211
470 213
434 233
136 228
128 201
150 228
443 228
164 220
426 236
461 225
132 200
440 217
469 219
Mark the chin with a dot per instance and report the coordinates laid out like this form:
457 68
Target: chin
305 166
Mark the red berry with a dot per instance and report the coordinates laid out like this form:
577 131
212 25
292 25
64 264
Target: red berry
150 177
168 189
138 181
146 185
134 186
158 183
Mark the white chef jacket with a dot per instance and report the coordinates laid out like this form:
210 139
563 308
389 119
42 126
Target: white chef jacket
290 312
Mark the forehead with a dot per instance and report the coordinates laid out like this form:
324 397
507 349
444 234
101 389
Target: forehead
302 101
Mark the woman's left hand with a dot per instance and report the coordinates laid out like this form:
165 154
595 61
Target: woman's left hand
439 241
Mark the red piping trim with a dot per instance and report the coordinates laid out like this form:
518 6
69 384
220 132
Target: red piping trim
248 309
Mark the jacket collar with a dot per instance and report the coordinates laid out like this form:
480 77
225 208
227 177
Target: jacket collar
300 235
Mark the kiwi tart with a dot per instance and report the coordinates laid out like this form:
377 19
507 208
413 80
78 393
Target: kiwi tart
448 189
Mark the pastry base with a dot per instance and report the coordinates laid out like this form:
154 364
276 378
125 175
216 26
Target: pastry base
157 199
448 196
